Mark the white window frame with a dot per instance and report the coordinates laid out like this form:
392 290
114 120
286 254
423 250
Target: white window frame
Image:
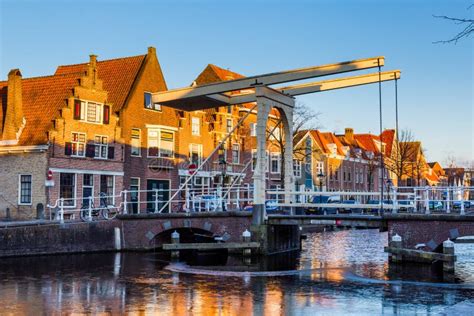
139 139
235 145
195 126
74 199
275 156
320 167
228 128
297 168
199 151
19 189
99 117
100 145
113 187
159 131
77 143
138 191
153 106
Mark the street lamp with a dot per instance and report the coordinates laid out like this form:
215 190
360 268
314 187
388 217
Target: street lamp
321 178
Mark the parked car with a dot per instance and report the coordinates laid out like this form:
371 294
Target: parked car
457 205
377 202
205 203
435 205
270 206
351 209
324 199
406 206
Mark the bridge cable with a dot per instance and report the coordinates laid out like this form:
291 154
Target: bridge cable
382 176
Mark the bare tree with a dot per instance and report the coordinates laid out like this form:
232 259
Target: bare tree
373 163
467 24
405 151
304 118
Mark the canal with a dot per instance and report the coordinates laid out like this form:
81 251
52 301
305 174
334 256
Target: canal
342 272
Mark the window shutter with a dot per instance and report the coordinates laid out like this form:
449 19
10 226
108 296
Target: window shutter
68 149
90 150
77 109
106 114
111 152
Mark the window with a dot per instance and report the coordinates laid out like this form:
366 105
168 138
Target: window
107 187
25 189
67 188
149 103
320 167
297 168
235 153
101 147
195 126
349 172
253 129
160 143
275 162
91 112
78 144
195 154
229 125
276 134
136 142
134 195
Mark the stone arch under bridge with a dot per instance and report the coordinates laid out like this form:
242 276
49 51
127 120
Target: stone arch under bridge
147 231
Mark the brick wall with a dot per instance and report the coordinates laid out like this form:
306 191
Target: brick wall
11 166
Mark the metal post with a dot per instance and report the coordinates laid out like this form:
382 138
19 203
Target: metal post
462 202
89 211
61 211
125 202
156 200
395 200
448 204
427 202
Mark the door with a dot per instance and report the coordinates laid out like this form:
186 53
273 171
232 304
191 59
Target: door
87 188
157 195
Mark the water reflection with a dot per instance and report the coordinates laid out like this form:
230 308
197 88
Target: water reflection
137 283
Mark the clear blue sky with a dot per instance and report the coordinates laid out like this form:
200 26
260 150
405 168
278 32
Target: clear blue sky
252 37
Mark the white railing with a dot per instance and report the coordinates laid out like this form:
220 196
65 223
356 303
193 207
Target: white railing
409 199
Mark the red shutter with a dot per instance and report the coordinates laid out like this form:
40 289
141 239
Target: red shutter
68 149
77 109
106 114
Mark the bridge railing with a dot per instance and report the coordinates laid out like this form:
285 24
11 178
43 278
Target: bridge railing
406 199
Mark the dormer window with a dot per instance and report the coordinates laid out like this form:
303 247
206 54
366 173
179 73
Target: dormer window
149 103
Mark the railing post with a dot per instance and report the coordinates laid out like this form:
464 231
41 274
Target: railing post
156 200
89 211
427 202
448 205
462 201
61 211
394 198
125 202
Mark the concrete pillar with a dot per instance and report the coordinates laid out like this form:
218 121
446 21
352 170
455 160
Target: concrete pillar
396 243
448 249
175 240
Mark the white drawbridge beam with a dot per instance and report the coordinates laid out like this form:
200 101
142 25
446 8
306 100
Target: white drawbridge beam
321 86
198 97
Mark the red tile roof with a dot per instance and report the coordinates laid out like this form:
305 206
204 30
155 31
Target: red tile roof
117 75
43 97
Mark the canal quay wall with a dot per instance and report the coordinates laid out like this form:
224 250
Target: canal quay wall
128 232
428 229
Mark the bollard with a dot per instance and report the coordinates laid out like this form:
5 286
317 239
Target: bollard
175 240
396 243
246 235
448 249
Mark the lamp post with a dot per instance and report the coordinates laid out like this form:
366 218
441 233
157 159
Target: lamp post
320 178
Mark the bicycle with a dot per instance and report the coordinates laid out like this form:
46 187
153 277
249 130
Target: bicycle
103 210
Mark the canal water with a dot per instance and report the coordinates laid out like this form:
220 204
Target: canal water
337 273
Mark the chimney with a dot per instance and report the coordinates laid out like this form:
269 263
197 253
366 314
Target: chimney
349 134
151 50
93 68
14 111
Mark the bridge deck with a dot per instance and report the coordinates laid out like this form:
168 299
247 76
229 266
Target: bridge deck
211 246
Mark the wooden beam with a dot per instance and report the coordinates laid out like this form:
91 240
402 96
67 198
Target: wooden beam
210 246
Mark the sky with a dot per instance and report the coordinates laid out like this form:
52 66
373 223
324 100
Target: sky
435 92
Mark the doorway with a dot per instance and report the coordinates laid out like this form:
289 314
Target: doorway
155 203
